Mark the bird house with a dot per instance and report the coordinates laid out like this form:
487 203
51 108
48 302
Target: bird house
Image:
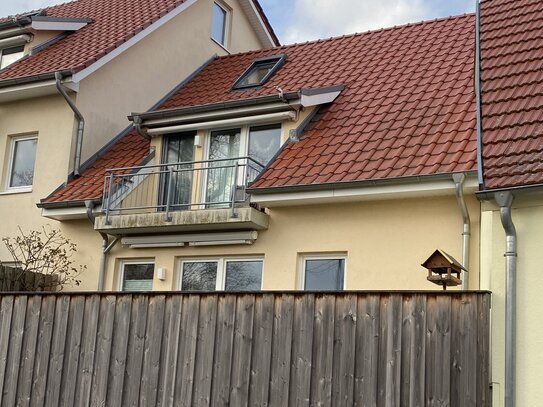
443 269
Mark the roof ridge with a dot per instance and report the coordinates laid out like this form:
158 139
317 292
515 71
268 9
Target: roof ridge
351 35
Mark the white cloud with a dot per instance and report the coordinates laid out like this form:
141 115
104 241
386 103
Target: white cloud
11 7
311 19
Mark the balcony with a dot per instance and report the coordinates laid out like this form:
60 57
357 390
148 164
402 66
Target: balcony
193 196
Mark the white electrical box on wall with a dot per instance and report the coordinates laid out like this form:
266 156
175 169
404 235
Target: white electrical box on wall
161 273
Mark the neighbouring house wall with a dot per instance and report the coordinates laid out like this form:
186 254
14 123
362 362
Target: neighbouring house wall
385 243
528 218
134 81
52 121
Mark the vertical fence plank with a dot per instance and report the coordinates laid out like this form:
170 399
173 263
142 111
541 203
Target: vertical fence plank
367 350
224 341
88 350
6 310
41 364
344 350
438 351
205 351
151 350
483 350
119 349
170 345
281 349
15 349
32 322
262 346
104 339
323 350
243 337
73 349
58 347
413 350
302 345
463 351
136 342
184 382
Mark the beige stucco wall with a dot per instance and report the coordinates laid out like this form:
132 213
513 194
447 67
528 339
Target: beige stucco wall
528 218
142 75
52 121
385 242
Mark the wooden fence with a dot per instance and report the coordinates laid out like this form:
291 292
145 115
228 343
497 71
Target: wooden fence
13 279
256 349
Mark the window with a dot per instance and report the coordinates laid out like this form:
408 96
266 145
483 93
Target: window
219 24
11 55
21 162
323 273
221 274
264 142
137 276
260 71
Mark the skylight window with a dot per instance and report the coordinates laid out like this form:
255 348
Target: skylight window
260 71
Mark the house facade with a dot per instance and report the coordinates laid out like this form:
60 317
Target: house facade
105 58
311 166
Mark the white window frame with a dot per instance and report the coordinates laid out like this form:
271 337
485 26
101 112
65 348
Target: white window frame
227 24
136 261
320 256
13 141
8 48
221 269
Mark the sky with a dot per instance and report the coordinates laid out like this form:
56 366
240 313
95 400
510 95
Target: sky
303 20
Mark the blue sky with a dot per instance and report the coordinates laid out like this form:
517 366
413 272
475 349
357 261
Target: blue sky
302 20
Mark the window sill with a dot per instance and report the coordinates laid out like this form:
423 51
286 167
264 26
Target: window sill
16 191
220 45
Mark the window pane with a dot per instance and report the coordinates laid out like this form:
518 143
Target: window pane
243 275
324 274
199 276
138 277
264 142
11 55
22 168
222 174
257 74
218 30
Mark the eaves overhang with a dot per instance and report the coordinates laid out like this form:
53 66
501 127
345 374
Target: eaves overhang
375 189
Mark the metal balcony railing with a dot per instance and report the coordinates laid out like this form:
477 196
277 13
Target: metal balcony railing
179 186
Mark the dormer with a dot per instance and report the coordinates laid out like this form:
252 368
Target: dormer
29 33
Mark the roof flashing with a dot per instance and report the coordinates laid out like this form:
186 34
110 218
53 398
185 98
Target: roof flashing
259 72
320 96
58 23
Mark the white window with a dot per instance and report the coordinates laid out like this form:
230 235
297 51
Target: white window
21 163
137 275
11 55
229 274
323 272
219 27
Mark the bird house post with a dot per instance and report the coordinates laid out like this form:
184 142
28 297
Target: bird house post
443 269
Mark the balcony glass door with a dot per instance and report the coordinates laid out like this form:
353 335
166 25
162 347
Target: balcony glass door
178 149
221 173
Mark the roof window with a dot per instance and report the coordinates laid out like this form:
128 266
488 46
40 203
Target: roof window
260 71
11 55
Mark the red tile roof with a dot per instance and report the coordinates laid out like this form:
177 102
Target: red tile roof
114 22
512 92
408 107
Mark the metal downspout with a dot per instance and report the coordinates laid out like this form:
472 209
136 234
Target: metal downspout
80 123
466 233
505 200
106 246
137 125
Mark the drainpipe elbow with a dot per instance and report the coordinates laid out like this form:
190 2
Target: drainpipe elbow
139 129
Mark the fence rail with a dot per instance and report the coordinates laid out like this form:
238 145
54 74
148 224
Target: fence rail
178 186
256 349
